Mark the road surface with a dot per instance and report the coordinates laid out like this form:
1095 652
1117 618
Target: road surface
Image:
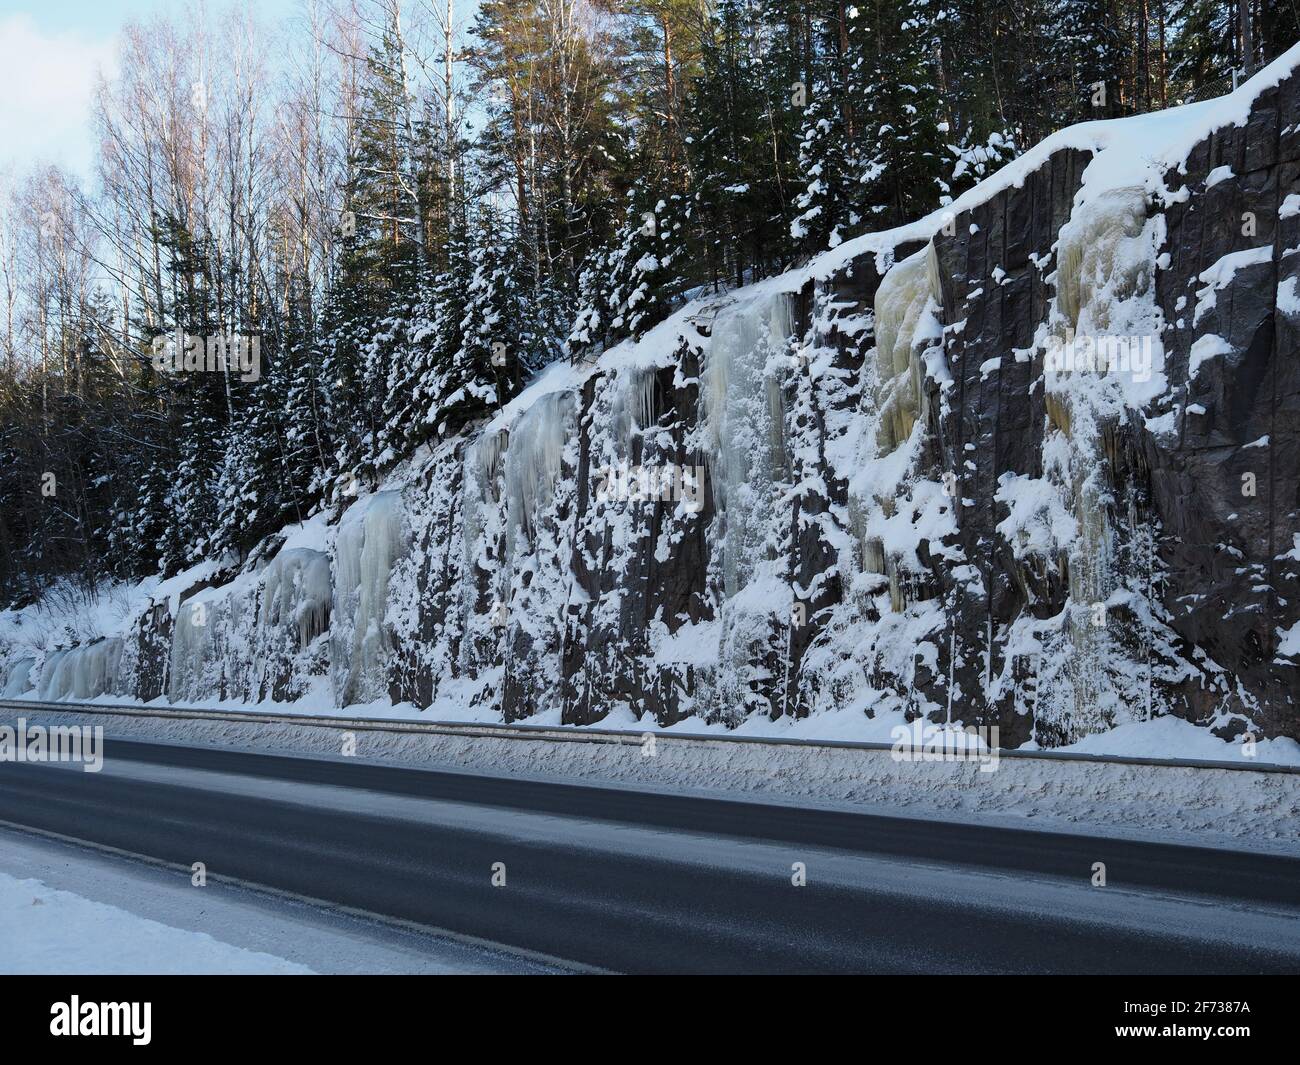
645 881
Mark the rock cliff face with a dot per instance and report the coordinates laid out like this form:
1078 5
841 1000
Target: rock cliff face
1033 462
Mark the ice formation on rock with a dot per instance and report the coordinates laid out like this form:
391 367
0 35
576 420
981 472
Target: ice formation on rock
370 541
901 299
18 680
532 462
744 427
296 595
215 652
84 672
1107 329
985 468
293 621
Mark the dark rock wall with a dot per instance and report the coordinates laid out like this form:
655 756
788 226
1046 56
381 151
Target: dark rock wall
971 536
1230 511
1171 599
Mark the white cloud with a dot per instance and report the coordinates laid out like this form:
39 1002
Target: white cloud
46 83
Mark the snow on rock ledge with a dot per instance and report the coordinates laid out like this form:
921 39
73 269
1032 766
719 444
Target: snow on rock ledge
1030 462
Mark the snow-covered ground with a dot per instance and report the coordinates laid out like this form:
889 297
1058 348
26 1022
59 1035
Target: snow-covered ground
1167 737
47 931
69 909
1202 806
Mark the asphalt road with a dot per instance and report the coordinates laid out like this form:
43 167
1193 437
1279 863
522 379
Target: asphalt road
642 881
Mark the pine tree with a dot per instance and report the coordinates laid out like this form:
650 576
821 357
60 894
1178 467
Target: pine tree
346 326
199 399
970 161
830 203
552 142
383 210
304 416
1277 27
871 152
901 164
1205 50
1092 54
991 90
422 378
266 477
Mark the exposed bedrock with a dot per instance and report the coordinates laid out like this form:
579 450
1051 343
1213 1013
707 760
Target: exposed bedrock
1035 464
1225 473
907 503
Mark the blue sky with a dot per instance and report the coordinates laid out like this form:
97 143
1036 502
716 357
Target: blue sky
49 52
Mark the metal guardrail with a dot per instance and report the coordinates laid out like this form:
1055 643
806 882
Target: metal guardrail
590 734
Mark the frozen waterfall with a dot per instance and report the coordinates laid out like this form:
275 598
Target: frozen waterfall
744 426
84 672
370 540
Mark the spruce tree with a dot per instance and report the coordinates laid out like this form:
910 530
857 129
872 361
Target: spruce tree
499 343
900 163
742 122
634 286
1091 51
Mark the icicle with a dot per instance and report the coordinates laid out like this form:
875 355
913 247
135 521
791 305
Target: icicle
84 672
744 426
532 461
297 593
19 679
1105 267
644 390
932 273
49 669
188 644
776 427
873 555
369 542
903 294
483 464
1096 265
482 480
633 405
202 660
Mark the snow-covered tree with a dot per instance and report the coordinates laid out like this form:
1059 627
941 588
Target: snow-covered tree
634 286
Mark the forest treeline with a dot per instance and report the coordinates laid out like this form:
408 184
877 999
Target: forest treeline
413 207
